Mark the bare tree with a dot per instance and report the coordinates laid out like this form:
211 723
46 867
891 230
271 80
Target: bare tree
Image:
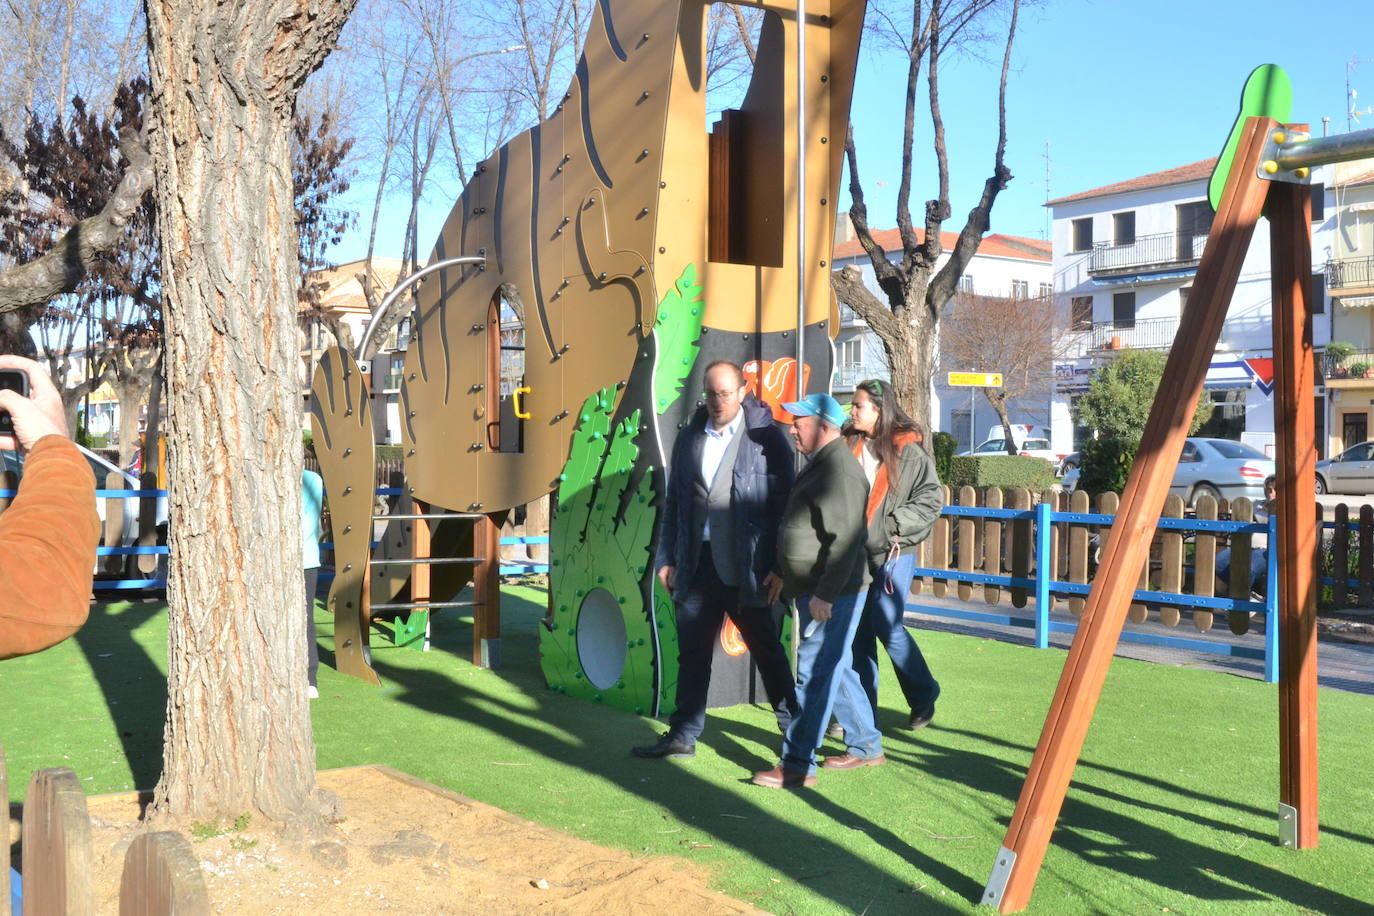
1021 338
915 286
225 79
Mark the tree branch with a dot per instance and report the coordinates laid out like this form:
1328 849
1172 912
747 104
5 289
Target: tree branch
63 268
888 278
849 287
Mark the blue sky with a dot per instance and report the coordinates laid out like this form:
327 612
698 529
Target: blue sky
1117 88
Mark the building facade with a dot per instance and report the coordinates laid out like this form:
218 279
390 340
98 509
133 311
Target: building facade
1125 256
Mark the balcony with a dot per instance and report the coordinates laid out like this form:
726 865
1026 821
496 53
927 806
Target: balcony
1345 371
1350 277
1244 332
1168 251
847 375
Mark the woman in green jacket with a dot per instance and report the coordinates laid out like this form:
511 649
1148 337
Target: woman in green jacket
903 504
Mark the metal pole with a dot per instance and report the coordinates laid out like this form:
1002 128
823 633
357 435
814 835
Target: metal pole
801 200
1358 144
401 287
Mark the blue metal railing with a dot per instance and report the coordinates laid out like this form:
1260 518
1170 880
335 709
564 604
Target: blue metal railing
1044 586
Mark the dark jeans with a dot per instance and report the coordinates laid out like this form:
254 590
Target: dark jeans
312 578
881 622
701 601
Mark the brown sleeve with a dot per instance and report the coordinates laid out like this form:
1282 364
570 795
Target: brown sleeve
48 538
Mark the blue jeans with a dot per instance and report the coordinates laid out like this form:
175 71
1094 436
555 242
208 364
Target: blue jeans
823 663
881 621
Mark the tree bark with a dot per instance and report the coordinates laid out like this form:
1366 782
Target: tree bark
225 77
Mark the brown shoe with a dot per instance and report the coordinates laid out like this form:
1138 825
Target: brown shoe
782 778
852 762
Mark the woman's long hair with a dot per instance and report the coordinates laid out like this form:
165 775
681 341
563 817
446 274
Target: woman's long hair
892 420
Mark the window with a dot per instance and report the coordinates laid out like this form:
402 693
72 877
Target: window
1081 313
1046 290
1316 294
1083 233
1123 228
1318 202
1020 289
1123 310
1190 453
1228 422
1194 221
966 283
851 351
1183 295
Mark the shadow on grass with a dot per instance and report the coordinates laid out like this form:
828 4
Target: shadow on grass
135 688
1105 834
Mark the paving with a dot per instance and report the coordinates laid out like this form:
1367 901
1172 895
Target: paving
1345 661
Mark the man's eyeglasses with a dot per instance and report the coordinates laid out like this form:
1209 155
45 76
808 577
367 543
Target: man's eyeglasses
724 395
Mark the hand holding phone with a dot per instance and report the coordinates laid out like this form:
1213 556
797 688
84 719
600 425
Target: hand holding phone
33 406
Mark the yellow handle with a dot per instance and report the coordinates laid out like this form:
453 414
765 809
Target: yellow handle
519 414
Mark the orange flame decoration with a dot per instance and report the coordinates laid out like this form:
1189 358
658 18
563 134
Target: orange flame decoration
775 382
731 639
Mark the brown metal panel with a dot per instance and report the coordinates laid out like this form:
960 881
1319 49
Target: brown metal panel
341 425
1294 428
1090 656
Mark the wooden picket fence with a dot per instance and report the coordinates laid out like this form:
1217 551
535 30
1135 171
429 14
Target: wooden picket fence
161 875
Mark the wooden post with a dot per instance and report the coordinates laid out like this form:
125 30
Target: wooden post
57 846
1294 432
486 590
162 876
420 551
1018 862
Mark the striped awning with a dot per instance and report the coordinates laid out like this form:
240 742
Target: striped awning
1357 302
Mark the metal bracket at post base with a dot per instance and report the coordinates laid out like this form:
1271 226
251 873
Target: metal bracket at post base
1288 826
997 881
490 650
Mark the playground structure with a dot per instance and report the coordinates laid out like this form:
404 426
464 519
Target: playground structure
1264 169
634 248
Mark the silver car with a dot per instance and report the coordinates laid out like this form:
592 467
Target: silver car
1352 471
1219 468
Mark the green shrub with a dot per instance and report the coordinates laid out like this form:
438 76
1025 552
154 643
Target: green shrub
945 446
390 453
1035 474
1105 464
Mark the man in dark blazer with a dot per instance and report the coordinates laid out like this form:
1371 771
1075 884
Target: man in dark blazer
728 480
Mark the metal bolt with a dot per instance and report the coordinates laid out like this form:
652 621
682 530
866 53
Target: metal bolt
347 452
644 211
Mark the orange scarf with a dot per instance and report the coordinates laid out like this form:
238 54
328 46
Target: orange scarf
878 492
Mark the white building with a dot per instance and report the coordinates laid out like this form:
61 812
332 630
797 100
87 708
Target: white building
1349 254
1004 266
1124 260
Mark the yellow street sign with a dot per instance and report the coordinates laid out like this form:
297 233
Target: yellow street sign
975 379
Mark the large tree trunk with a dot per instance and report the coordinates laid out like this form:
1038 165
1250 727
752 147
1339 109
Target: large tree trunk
225 76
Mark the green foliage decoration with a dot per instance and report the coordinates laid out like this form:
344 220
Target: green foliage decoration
677 330
1105 465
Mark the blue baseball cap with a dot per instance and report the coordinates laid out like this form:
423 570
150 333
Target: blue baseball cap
818 405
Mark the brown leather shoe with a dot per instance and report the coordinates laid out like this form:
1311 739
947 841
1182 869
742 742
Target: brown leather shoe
782 778
852 762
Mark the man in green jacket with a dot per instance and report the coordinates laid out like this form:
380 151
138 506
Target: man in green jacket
822 562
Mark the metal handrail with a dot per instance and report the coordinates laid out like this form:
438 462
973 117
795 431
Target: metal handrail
376 320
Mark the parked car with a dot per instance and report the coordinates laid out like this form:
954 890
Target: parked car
1068 463
1352 471
1031 442
1219 468
128 529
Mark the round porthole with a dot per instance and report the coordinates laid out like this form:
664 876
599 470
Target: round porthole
601 638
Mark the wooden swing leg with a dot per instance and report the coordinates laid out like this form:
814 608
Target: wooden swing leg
1294 432
1018 862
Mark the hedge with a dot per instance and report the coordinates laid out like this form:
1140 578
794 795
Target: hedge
1000 471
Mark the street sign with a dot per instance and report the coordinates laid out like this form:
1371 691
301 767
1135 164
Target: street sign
975 379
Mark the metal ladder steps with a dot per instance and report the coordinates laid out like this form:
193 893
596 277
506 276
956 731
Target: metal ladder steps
427 515
424 605
426 561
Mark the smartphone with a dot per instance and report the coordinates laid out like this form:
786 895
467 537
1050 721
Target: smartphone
14 380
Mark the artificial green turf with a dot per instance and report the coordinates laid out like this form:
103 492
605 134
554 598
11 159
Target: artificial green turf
1171 810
